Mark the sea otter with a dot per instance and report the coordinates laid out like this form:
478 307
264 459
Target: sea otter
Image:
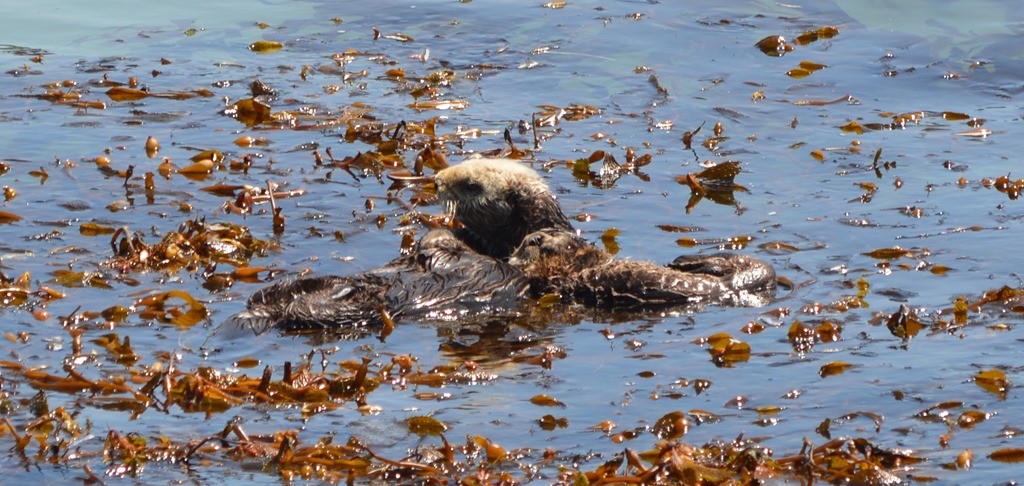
516 241
443 279
561 263
507 208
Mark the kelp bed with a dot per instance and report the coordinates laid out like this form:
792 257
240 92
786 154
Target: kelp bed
148 192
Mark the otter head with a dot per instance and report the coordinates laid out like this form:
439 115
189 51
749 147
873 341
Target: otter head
556 253
546 245
499 201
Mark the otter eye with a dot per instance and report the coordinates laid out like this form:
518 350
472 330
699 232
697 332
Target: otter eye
474 187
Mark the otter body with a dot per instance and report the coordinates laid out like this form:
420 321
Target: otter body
559 262
442 279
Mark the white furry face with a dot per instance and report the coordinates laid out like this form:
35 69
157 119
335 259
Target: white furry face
476 191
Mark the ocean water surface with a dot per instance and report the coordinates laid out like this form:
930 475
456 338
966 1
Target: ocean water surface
879 160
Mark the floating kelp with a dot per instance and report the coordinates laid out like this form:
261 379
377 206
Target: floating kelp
715 183
195 244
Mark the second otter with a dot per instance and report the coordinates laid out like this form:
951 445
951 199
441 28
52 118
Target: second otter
561 263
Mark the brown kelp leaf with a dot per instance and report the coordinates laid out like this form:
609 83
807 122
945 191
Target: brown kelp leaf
249 362
955 116
89 228
904 323
156 307
814 35
423 425
1007 455
265 46
581 170
834 368
720 175
550 422
249 141
672 228
993 381
846 98
608 239
249 111
116 313
970 418
8 218
494 451
121 93
774 45
121 350
73 279
853 127
546 401
201 167
798 73
801 337
606 426
549 300
671 426
938 269
13 297
888 253
726 351
964 461
210 154
805 69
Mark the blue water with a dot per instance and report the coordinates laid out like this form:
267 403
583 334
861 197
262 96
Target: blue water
931 57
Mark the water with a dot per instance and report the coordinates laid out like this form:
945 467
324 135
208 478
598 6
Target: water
508 60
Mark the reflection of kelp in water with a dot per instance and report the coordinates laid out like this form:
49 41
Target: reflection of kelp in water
715 183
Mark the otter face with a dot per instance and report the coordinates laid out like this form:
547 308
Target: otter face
500 201
480 192
546 244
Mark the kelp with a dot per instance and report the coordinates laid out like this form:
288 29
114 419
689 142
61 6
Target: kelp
193 245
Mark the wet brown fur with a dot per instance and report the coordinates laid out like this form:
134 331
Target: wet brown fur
561 263
442 279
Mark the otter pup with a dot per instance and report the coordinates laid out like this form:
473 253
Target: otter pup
499 201
442 279
560 262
